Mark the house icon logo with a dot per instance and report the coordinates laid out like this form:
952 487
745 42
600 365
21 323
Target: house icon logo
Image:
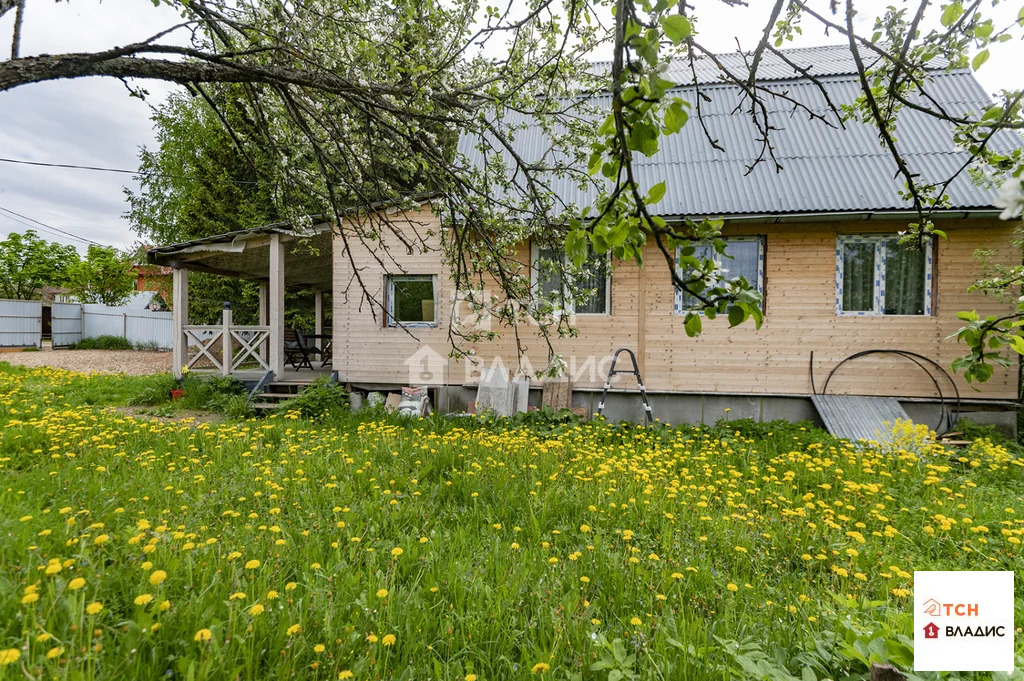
931 630
426 366
932 607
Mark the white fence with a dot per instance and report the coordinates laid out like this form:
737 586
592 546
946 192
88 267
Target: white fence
65 324
21 323
138 326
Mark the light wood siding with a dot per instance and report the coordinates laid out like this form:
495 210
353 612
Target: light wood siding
775 359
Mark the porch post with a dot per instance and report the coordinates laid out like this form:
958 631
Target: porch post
264 316
179 351
318 311
227 356
276 318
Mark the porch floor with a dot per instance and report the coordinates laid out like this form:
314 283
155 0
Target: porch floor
301 376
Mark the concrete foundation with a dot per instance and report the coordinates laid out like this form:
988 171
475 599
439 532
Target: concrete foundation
673 408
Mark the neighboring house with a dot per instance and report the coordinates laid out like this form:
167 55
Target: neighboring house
817 239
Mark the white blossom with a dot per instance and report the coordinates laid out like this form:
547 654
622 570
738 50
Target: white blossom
1010 199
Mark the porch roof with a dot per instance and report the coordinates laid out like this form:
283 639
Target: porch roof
245 254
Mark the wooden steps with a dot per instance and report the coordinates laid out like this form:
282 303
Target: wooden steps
276 392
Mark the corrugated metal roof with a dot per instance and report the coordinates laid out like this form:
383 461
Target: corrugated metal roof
825 169
859 418
824 60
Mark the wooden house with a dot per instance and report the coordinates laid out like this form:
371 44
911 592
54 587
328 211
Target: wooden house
817 238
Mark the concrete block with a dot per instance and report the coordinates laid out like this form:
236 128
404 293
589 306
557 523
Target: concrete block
495 392
739 406
520 395
677 409
1004 421
789 409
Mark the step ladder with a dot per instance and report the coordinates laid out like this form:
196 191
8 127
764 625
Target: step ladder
648 414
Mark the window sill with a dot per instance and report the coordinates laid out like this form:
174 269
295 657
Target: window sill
882 314
413 325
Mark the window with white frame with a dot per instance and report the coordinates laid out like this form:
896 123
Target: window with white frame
412 300
875 275
744 257
548 282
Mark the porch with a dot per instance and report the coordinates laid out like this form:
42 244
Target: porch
277 257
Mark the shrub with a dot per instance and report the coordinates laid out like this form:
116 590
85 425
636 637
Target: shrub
156 391
102 343
323 396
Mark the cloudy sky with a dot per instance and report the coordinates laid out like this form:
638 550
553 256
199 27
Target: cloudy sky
95 122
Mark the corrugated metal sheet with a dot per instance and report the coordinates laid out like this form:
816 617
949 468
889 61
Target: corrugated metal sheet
21 323
65 323
825 169
825 60
139 326
859 418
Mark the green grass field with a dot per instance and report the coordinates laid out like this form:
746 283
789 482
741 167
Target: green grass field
371 548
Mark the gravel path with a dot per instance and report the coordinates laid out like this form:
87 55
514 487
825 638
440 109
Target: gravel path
133 362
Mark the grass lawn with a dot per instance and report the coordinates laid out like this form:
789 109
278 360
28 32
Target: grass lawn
369 548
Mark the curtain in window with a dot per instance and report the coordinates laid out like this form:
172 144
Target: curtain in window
904 279
858 277
688 301
549 278
742 261
594 277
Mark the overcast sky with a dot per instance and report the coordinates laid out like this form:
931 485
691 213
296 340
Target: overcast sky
95 122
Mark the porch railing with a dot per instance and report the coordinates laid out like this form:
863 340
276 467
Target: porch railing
228 346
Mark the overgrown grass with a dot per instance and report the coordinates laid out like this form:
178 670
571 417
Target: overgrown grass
103 343
439 548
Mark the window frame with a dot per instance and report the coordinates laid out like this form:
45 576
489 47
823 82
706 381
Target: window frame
760 239
389 313
535 249
878 305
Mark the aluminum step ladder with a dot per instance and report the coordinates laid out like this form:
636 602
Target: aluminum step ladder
648 414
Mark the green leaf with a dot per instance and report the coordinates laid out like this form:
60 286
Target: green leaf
675 117
1017 343
979 59
656 194
692 324
951 13
676 27
736 315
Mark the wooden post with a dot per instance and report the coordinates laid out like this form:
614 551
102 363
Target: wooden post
318 312
264 317
227 357
179 353
276 318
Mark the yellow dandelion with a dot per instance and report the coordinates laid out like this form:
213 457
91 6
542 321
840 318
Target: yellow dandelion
540 668
256 609
294 629
732 587
76 584
252 565
143 599
157 577
9 656
388 640
397 551
203 635
94 608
